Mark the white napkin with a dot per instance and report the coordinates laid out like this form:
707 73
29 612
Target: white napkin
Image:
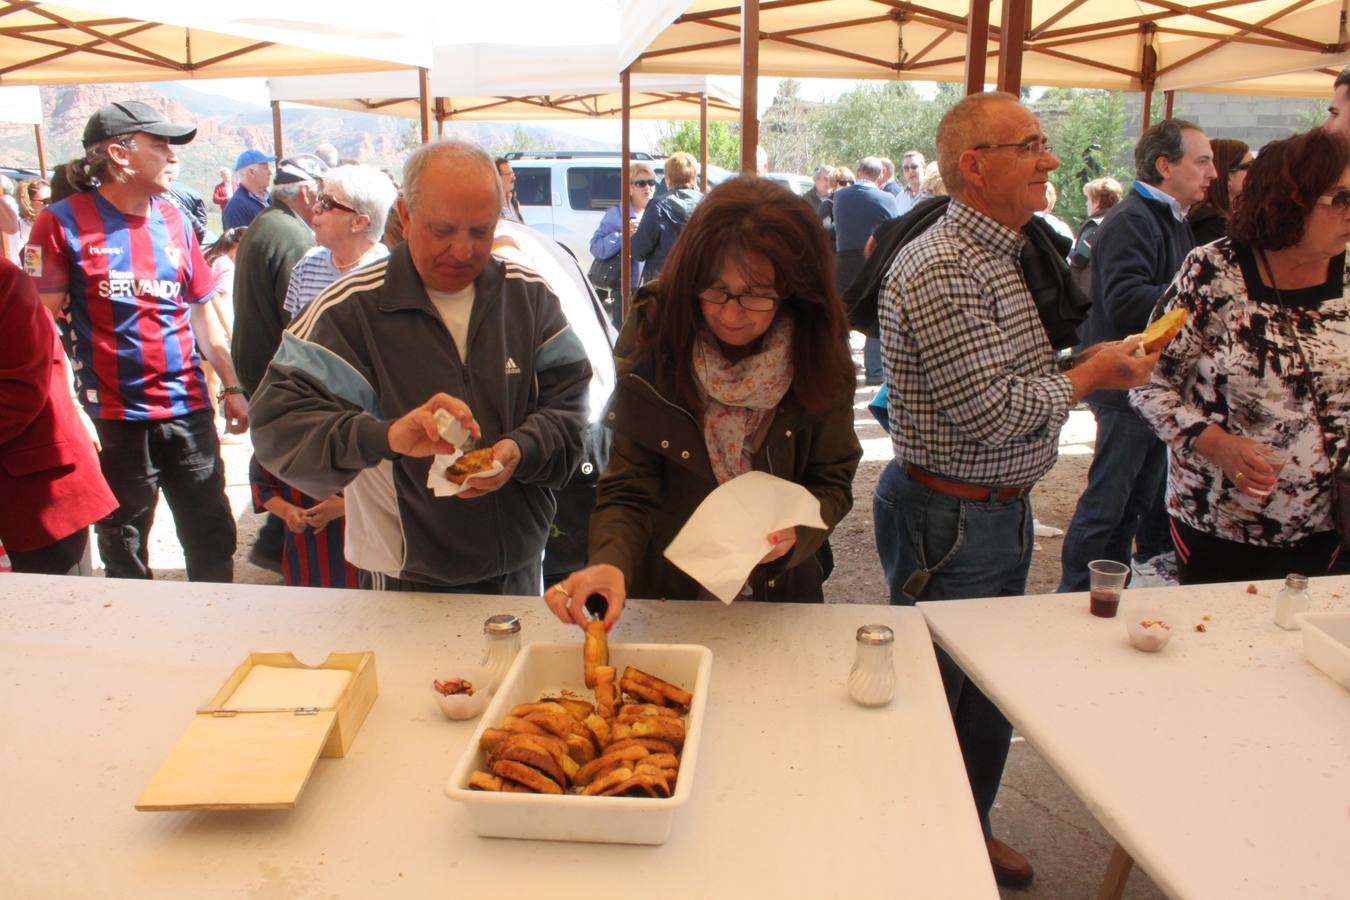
728 534
451 430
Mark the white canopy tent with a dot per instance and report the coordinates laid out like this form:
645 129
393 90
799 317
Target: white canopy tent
396 93
23 106
157 40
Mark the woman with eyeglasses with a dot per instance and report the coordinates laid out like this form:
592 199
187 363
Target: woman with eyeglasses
664 219
736 360
1209 218
607 241
510 202
1253 396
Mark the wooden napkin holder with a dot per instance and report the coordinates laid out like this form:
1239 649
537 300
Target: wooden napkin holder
260 758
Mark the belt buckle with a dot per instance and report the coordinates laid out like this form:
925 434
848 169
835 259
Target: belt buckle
993 495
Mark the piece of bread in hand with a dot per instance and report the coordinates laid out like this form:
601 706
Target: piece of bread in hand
1163 329
470 463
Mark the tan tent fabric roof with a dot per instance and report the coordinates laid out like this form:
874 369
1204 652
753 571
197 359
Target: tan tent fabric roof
1074 43
159 40
395 93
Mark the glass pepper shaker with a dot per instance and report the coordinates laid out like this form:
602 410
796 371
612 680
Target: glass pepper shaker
1291 600
871 682
501 634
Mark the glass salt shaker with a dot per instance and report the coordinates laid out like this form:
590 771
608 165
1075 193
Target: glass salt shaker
871 682
1291 600
502 636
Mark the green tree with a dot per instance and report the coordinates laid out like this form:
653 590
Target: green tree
787 131
880 120
1087 129
724 143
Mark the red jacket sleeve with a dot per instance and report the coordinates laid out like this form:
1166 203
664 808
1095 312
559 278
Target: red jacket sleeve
25 352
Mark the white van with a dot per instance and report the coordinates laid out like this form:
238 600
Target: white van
564 193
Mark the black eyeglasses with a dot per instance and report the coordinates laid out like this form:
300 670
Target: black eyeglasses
1030 147
748 301
1240 167
328 203
1339 201
644 182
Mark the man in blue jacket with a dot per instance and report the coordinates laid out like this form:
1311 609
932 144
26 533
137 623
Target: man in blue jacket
1139 250
858 210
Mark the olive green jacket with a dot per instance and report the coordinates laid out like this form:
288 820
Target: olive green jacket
659 472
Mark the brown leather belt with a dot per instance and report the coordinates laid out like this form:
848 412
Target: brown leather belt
964 490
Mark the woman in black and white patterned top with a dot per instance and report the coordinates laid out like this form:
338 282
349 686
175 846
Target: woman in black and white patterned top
1254 435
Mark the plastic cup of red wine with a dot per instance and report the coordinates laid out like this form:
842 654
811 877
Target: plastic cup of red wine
1107 581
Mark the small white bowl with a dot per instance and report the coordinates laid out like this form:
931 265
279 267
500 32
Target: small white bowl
1151 637
465 706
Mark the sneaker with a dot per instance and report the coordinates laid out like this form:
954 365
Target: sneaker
1159 571
262 561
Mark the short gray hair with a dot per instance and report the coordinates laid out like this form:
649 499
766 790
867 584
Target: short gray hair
462 156
968 123
369 192
887 167
823 169
1161 141
289 193
870 167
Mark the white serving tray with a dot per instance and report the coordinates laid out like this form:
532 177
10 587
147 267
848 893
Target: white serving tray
546 668
1326 644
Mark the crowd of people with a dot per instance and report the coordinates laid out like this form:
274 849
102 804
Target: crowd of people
341 321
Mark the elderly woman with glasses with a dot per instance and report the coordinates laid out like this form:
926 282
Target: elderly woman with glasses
348 223
1209 218
607 241
738 363
1253 395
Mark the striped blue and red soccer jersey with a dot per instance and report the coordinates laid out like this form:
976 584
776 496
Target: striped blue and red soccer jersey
313 558
130 280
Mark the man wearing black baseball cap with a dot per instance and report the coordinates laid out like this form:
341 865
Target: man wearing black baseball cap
130 116
127 267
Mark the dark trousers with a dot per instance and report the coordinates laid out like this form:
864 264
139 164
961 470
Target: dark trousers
1123 502
68 556
524 582
181 456
1203 558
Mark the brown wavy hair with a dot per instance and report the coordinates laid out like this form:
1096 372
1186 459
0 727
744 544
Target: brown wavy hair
740 217
1282 188
1228 152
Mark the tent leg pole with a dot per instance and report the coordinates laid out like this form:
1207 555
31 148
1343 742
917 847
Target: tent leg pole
749 86
977 45
1169 98
1016 15
625 197
277 146
703 142
424 102
42 154
1148 109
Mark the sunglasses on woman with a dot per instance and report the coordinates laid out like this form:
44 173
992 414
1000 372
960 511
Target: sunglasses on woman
1240 167
1339 201
845 182
644 182
328 203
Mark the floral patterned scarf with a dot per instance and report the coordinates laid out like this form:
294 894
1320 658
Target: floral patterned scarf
740 395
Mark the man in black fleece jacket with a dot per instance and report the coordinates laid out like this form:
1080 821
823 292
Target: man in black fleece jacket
1139 250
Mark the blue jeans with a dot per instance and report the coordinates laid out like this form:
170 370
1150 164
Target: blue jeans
872 366
1123 500
969 549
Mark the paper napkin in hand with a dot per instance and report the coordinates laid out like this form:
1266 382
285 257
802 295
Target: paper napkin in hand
728 534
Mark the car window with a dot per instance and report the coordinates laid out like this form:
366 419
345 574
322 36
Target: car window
593 188
532 185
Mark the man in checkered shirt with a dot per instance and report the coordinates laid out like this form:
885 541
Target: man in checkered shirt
976 404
